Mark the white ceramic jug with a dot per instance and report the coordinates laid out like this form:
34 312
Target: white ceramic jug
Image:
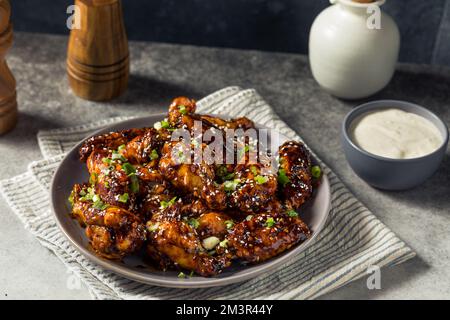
351 55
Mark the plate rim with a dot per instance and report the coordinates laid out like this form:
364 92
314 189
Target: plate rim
128 273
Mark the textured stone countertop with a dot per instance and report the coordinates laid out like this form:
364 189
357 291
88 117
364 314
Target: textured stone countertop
160 72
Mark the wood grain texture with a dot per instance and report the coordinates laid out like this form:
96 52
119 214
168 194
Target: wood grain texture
8 100
98 57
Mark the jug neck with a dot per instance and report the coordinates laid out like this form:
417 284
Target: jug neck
357 7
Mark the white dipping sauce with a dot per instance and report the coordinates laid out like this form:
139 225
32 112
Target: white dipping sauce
396 134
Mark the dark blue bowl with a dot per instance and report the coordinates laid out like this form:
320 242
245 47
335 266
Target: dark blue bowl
392 174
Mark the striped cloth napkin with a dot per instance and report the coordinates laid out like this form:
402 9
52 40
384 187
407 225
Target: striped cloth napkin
352 241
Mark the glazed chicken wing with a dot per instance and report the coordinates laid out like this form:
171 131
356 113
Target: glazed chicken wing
214 224
111 182
182 115
108 141
174 242
145 149
113 232
295 174
253 189
197 179
265 235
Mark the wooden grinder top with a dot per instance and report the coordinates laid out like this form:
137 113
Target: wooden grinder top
8 103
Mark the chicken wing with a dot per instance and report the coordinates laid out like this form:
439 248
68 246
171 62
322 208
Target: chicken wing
295 174
145 149
265 235
108 141
174 242
112 182
182 115
214 224
251 190
194 178
113 232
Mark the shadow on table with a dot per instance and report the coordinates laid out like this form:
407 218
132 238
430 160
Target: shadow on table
391 278
435 191
145 90
27 128
431 90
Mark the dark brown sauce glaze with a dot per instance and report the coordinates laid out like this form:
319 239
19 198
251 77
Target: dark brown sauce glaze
197 217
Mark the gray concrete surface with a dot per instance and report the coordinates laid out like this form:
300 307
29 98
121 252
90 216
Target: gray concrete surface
421 216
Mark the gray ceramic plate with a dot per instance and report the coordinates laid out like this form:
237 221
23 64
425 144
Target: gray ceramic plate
72 171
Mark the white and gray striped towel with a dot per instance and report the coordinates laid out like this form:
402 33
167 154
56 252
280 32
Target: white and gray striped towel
352 240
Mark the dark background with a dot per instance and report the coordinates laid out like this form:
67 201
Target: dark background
271 25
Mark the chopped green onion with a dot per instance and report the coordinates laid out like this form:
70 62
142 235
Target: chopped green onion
181 275
181 156
191 274
282 177
243 151
71 198
249 217
224 243
261 179
93 178
152 227
154 155
121 147
316 172
229 176
210 243
107 161
95 198
98 204
270 222
88 196
128 168
82 193
231 185
222 171
106 184
165 124
117 156
193 223
182 109
134 186
124 198
292 213
157 126
166 204
254 170
229 224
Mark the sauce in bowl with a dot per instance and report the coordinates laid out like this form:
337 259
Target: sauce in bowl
396 134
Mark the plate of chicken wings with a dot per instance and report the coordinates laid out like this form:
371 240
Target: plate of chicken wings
190 200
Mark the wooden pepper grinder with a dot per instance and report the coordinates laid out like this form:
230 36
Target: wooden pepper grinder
8 100
98 62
